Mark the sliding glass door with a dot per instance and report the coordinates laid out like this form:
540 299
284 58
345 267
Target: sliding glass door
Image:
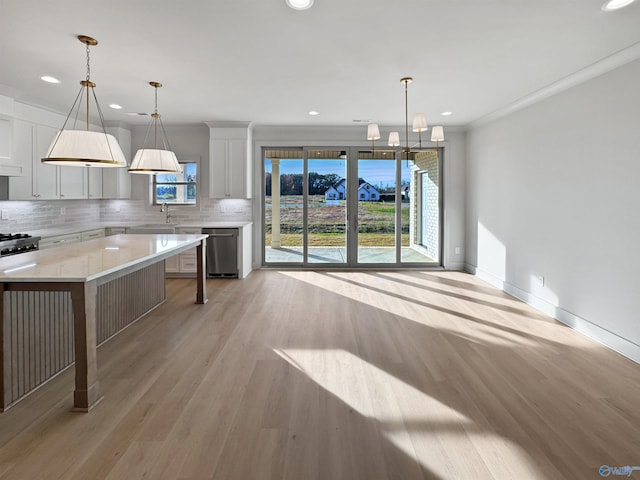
349 207
376 206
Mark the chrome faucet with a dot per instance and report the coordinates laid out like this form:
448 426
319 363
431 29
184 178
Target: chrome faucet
165 209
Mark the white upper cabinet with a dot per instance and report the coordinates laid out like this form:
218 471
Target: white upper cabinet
95 182
38 181
45 177
116 182
229 159
41 181
21 188
9 166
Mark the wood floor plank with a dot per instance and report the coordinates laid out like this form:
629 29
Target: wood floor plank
304 375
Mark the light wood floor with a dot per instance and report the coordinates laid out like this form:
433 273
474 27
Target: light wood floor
336 375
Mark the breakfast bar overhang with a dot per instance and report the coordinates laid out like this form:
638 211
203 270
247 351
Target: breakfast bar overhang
81 269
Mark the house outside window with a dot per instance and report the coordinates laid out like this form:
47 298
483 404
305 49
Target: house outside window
175 188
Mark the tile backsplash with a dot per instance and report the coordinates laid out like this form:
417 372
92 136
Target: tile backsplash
21 217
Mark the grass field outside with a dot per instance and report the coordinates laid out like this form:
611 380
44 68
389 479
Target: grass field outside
326 222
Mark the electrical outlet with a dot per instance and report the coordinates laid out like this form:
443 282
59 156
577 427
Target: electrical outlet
5 215
457 250
63 211
540 280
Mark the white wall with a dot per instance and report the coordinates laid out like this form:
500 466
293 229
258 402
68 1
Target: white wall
554 190
270 136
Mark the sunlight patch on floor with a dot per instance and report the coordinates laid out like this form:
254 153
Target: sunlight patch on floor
361 287
414 422
355 381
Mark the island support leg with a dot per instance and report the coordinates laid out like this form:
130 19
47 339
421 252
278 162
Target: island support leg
201 257
87 392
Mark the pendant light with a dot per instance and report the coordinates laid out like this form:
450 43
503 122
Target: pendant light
84 148
155 160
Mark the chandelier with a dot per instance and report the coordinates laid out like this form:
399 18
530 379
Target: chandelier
84 148
155 160
419 125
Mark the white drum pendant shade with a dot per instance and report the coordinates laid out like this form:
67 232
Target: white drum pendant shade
151 160
82 148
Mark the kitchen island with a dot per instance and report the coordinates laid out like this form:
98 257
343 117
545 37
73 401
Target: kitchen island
60 303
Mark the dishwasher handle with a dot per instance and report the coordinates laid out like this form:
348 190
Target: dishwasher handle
221 235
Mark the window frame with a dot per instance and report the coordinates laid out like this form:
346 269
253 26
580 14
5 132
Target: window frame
155 184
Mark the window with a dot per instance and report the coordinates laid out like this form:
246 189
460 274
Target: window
176 188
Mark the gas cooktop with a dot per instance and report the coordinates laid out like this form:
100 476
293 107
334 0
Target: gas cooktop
13 243
13 236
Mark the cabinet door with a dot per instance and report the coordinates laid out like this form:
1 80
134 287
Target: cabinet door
236 165
171 264
218 168
21 188
116 183
95 182
9 165
73 182
45 177
227 168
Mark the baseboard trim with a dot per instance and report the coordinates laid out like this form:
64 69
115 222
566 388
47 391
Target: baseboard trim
459 266
595 332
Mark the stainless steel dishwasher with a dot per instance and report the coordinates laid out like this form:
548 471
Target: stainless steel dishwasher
222 252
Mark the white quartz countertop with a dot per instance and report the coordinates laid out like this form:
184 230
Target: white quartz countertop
92 259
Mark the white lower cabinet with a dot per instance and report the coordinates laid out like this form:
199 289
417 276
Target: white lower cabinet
172 265
57 240
89 234
184 264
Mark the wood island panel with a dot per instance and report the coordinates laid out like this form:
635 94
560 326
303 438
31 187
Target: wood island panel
39 326
86 276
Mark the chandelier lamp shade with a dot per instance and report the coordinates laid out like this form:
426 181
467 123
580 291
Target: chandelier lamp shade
419 125
159 158
394 139
437 134
85 148
373 134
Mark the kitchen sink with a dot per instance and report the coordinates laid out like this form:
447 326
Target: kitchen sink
153 228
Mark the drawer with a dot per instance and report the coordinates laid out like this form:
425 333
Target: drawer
171 264
49 242
188 263
89 234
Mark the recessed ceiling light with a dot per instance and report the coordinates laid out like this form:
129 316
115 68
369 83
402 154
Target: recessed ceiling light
616 4
361 120
313 112
299 4
48 79
446 114
115 106
136 113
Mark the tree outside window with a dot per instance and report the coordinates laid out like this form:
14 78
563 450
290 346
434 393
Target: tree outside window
176 188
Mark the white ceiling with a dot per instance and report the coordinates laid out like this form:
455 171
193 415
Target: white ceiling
258 60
